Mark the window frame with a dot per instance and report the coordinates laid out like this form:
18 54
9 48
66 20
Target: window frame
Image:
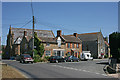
77 45
68 46
47 44
73 45
47 53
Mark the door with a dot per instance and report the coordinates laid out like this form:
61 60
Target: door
58 53
75 54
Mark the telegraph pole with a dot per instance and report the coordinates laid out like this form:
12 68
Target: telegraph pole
33 36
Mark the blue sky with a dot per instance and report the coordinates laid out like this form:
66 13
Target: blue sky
70 17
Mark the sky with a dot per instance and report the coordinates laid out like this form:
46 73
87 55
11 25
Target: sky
70 17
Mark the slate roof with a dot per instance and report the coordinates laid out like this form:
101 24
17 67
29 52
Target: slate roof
89 36
71 38
47 39
19 32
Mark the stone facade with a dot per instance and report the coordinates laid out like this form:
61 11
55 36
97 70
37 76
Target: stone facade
19 41
93 42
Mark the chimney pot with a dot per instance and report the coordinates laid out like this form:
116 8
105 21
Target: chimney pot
25 33
75 34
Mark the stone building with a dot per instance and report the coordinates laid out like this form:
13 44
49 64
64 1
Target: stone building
61 45
93 42
19 41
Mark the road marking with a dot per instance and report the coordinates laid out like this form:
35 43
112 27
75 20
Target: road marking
104 74
97 73
77 69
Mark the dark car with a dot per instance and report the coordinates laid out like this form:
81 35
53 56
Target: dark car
12 58
72 59
25 58
56 59
18 58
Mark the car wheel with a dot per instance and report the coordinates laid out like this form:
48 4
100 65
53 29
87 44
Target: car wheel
22 61
78 60
56 61
71 60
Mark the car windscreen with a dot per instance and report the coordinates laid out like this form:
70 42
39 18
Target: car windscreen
27 56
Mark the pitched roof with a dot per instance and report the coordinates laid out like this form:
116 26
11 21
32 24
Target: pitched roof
19 32
70 38
47 39
18 40
89 36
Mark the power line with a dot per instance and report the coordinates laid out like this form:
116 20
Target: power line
26 23
54 26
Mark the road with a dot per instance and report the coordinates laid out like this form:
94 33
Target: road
82 69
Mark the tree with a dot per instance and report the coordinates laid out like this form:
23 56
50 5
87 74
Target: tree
39 46
114 40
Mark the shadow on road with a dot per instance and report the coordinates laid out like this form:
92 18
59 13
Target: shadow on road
103 63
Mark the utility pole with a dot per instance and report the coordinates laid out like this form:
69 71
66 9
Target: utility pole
33 36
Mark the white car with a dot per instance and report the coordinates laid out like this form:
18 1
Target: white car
86 55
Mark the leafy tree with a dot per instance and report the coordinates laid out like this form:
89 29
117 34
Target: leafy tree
114 40
39 49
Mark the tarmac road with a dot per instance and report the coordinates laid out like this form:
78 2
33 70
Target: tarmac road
82 69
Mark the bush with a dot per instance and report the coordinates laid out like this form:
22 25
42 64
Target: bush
37 58
47 57
43 60
67 54
106 56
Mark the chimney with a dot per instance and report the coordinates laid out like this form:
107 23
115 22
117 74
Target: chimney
59 32
75 34
25 33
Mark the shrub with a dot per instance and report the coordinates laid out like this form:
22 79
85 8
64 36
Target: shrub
47 57
37 58
106 56
67 54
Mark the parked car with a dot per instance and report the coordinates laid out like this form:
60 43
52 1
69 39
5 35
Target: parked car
86 55
56 59
12 58
18 58
72 59
26 58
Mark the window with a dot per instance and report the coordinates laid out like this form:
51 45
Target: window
72 45
69 53
77 45
25 46
68 45
59 42
62 53
47 44
47 53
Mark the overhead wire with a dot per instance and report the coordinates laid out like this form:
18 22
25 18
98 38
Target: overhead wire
26 23
61 26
